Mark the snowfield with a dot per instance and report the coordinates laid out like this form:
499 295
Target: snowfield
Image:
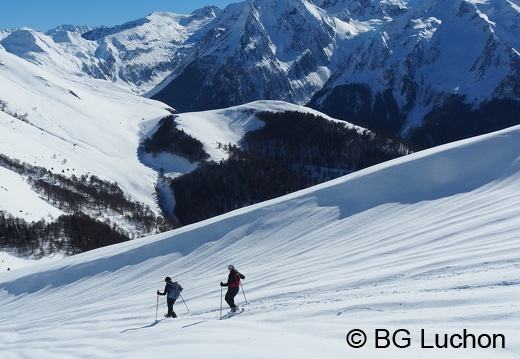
76 126
425 247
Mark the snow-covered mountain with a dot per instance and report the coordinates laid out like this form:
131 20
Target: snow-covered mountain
425 246
384 64
414 62
380 64
77 126
138 54
283 50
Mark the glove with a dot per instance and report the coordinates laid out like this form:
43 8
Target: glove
222 284
158 292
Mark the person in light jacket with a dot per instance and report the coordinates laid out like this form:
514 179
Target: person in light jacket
173 291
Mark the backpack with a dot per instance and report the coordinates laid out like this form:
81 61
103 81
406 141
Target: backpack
173 289
237 275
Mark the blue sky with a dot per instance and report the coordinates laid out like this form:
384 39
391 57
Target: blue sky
43 15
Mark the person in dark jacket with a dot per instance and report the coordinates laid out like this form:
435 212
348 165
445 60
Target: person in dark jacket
173 291
233 284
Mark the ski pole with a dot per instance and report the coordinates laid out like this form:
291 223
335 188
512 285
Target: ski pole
157 307
221 301
244 293
184 302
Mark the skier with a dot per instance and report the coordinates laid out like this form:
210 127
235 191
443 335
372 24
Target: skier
173 290
233 284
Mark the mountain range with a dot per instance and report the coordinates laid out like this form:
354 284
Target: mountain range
397 66
80 101
76 144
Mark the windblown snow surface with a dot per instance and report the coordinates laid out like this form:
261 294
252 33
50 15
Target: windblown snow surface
426 246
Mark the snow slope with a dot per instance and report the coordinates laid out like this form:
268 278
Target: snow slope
426 243
228 126
76 125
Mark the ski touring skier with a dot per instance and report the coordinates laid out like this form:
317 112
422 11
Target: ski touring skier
172 291
233 284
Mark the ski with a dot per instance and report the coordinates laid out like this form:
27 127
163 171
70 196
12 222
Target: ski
231 314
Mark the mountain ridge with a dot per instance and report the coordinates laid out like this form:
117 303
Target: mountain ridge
63 135
401 60
360 57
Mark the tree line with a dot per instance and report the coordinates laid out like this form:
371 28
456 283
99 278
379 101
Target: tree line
168 138
68 234
292 151
456 119
83 199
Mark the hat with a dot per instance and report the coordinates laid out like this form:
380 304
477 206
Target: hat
230 267
167 279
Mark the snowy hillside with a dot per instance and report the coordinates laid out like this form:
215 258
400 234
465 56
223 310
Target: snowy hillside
427 244
77 126
74 126
227 126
